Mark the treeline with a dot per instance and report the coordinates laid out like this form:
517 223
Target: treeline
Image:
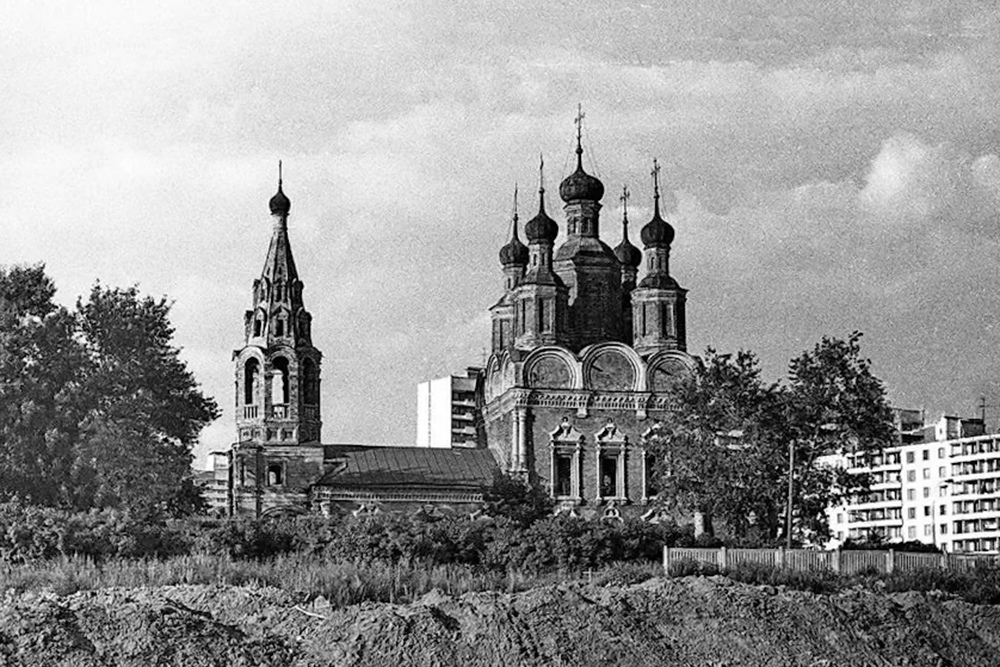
97 409
498 543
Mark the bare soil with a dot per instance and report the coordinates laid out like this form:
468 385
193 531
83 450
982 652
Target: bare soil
691 621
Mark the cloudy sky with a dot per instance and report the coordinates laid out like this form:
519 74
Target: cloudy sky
835 168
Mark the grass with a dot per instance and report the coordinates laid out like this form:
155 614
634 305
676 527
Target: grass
311 576
979 586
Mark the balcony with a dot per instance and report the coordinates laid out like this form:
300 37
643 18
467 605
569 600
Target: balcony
251 411
280 411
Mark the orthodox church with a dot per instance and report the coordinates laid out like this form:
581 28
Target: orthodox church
583 354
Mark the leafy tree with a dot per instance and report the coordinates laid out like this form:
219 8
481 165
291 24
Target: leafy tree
147 410
833 403
724 451
96 407
715 453
40 369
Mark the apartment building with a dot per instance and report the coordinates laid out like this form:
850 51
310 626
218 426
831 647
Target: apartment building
940 485
446 411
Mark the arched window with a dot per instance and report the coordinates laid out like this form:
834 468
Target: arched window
251 374
275 474
310 382
279 381
258 325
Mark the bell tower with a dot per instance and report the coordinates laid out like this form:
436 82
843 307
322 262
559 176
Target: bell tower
278 369
277 454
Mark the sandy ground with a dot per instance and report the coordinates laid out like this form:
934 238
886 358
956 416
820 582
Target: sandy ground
690 621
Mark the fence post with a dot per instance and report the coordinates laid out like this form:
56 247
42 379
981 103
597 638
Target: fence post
723 559
836 561
781 557
945 563
666 560
890 561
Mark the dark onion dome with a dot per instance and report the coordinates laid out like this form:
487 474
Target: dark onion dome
279 202
627 253
514 253
541 227
580 184
657 232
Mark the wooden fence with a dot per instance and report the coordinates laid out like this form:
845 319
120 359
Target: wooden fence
843 562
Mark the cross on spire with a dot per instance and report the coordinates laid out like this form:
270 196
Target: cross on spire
515 203
279 173
625 196
656 187
541 174
579 124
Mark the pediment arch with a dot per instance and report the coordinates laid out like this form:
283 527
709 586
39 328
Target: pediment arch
667 368
552 367
612 366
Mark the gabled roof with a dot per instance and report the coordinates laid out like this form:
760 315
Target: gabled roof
361 466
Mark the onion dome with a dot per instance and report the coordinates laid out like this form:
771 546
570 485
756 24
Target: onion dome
627 253
541 227
657 232
279 202
514 253
580 184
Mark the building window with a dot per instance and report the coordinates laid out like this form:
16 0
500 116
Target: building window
927 510
279 328
928 530
926 455
909 457
609 476
941 471
911 513
840 517
279 381
944 529
927 492
911 475
275 474
911 532
251 373
927 473
563 481
944 510
940 452
911 494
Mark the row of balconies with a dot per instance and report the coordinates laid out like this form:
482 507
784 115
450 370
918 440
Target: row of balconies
988 446
976 467
279 411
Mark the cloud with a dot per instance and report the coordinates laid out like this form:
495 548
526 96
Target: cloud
835 167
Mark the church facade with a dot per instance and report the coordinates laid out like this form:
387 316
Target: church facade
583 353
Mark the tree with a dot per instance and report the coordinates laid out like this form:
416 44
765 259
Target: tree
714 453
724 451
147 410
40 368
96 407
833 403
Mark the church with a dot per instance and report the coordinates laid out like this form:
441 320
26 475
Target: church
583 355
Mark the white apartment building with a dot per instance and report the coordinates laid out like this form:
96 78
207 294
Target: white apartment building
446 411
940 485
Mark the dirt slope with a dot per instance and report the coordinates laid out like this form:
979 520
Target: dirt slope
693 621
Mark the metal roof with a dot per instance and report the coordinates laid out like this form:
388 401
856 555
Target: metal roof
360 466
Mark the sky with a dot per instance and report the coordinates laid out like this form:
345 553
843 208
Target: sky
831 167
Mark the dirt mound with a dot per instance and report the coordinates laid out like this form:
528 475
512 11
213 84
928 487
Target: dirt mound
692 621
